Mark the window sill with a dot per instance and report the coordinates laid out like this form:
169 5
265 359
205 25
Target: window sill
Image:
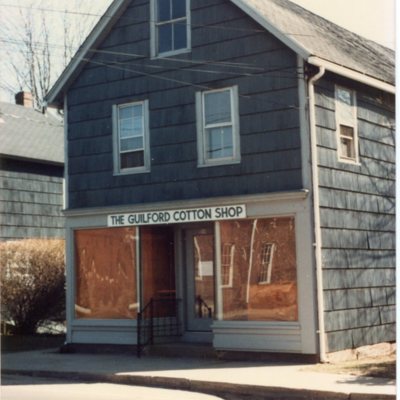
132 171
170 53
349 162
218 163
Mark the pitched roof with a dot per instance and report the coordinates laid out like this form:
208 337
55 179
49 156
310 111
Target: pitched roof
316 36
29 134
315 39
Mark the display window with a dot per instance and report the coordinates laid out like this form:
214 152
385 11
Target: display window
260 255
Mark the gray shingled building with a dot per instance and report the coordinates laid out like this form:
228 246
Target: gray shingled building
236 157
31 172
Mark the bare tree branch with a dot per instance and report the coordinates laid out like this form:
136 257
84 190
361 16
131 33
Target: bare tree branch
37 45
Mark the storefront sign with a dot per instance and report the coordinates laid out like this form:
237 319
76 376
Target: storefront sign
178 216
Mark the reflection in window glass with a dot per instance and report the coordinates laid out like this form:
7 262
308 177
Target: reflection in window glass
105 265
265 252
227 260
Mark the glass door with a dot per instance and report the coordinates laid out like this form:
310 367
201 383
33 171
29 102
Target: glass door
200 279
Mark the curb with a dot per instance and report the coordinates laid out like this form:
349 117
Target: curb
227 391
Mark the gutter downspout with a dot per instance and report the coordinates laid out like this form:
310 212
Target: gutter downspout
317 220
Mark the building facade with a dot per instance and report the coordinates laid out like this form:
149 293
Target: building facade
31 172
217 159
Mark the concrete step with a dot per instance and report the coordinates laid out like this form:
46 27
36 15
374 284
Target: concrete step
181 350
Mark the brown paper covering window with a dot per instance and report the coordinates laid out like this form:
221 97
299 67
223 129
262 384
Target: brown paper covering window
105 263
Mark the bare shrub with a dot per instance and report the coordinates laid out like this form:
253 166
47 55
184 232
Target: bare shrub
32 285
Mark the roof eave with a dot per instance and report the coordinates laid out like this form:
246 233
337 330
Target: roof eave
307 55
55 97
55 163
352 74
287 40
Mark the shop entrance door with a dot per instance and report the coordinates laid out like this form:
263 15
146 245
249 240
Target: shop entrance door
200 306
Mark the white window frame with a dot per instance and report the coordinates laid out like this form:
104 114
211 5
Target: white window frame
203 161
154 36
146 139
266 264
227 263
346 122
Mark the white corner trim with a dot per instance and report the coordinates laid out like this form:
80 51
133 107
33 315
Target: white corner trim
351 74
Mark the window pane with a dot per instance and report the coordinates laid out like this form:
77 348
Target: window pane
125 112
137 110
178 8
217 107
163 10
248 299
180 41
220 142
165 38
347 131
344 96
347 148
125 128
105 265
132 160
132 143
137 126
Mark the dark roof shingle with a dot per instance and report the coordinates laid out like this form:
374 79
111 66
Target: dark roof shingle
326 40
29 134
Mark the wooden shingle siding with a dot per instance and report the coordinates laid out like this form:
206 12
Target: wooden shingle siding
31 200
264 71
357 210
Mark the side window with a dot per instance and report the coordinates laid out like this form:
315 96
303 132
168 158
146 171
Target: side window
131 137
218 126
346 124
170 27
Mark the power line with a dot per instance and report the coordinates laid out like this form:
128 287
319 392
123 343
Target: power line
185 83
122 17
284 71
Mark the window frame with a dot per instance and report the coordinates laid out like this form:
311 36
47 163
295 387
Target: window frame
154 32
346 123
227 263
116 139
203 160
265 275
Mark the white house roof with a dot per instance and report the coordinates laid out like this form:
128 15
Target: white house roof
31 135
312 37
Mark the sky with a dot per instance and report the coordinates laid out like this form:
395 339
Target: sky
373 19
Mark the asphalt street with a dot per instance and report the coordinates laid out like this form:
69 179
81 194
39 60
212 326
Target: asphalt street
16 387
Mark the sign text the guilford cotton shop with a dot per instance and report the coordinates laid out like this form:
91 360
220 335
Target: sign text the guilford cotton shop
178 216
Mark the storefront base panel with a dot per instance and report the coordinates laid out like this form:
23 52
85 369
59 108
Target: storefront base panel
104 334
248 336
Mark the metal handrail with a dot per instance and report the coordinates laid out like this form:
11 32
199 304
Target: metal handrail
200 303
158 318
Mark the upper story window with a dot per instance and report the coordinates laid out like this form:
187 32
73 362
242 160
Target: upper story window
131 137
346 124
170 27
218 126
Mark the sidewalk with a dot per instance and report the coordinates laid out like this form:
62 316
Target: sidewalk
226 379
